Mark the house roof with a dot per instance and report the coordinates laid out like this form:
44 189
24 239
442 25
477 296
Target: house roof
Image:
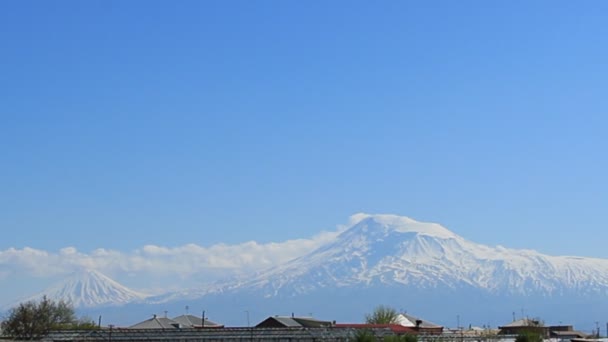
191 321
295 322
568 333
156 323
524 322
410 321
310 322
281 321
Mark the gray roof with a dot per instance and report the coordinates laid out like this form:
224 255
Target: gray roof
156 323
297 322
191 321
568 333
287 321
423 324
524 322
310 322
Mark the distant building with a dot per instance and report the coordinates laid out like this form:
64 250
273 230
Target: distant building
180 322
405 324
191 321
532 325
156 323
421 326
293 322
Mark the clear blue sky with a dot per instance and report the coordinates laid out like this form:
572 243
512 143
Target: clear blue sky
124 123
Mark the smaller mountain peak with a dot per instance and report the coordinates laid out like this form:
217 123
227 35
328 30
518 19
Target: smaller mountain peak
88 287
88 273
402 224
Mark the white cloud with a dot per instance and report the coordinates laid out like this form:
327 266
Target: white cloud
153 260
68 251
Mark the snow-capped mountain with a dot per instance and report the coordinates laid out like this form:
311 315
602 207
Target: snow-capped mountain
90 288
389 250
382 259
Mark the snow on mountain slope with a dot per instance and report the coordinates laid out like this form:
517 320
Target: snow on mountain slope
90 288
379 252
389 250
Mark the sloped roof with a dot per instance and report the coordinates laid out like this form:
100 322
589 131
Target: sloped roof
410 321
524 322
294 322
287 322
191 321
568 333
156 323
310 322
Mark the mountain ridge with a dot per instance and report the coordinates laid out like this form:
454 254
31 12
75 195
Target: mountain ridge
402 260
393 250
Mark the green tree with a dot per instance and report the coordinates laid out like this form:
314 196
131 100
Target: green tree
382 315
33 320
529 336
401 338
364 335
84 323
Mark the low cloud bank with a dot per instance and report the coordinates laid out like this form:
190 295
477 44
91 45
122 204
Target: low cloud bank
153 260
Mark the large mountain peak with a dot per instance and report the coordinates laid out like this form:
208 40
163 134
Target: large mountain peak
391 250
389 224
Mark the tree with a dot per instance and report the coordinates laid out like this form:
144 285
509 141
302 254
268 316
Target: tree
382 315
364 335
401 338
529 336
33 320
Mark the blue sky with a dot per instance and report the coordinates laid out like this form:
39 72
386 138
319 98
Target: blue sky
131 123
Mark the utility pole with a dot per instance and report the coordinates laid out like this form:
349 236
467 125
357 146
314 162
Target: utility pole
597 329
203 322
110 326
249 326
